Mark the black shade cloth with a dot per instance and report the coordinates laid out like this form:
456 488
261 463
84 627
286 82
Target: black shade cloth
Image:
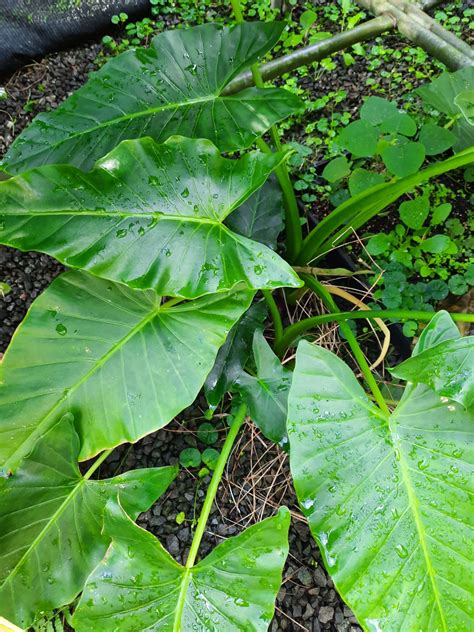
31 28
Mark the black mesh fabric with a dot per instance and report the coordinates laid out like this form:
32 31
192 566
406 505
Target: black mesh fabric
31 28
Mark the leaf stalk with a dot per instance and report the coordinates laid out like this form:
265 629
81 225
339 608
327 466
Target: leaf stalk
97 463
294 233
206 509
292 332
275 314
319 289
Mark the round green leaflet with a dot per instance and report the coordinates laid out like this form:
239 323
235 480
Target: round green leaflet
403 159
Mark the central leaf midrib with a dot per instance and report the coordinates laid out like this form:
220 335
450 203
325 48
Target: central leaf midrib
181 601
43 426
412 502
57 514
119 214
133 115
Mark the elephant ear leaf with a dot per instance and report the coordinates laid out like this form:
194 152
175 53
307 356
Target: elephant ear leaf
173 87
51 520
443 360
120 360
233 588
266 394
149 216
388 498
234 354
447 368
261 217
465 102
440 328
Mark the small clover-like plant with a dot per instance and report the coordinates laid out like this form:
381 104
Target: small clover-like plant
426 243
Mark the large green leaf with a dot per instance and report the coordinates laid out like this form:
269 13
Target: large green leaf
233 354
51 521
359 209
138 586
261 217
148 215
266 393
442 91
388 499
447 368
440 328
443 94
173 87
119 360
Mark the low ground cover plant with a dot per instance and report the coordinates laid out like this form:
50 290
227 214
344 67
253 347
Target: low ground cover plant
428 253
145 184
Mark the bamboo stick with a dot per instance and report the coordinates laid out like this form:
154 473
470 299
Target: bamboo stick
411 21
314 52
421 29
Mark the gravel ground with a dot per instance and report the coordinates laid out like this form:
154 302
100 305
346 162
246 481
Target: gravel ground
257 480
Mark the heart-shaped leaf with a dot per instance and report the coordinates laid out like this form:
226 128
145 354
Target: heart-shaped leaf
414 212
232 589
362 179
388 499
360 138
336 169
403 158
266 394
436 139
441 213
123 363
173 87
51 520
399 123
376 110
148 215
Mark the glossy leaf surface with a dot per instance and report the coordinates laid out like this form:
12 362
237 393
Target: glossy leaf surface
150 216
232 589
51 521
173 87
387 499
266 394
439 329
261 217
233 354
116 358
447 368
